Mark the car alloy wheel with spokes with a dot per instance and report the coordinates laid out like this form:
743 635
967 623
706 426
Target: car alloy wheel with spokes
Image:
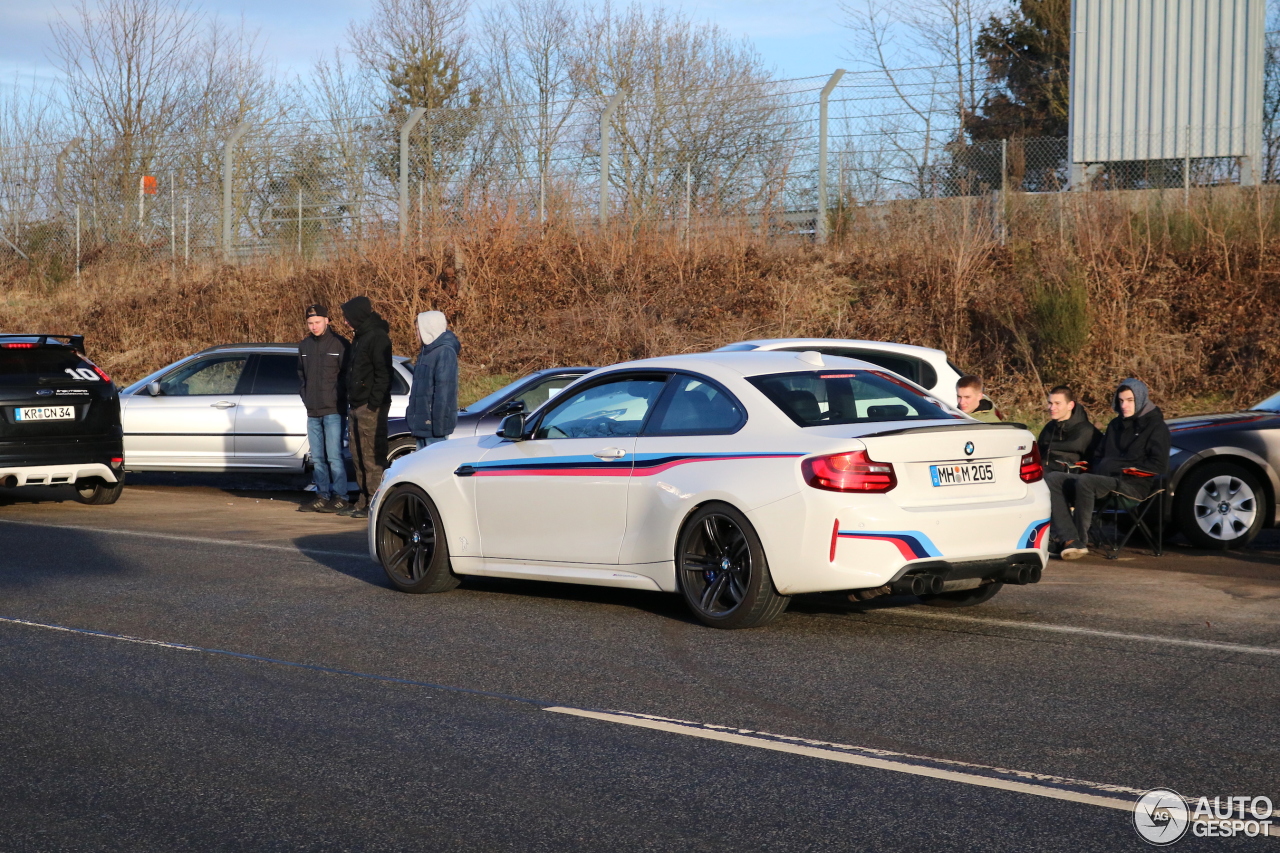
722 570
411 542
1220 505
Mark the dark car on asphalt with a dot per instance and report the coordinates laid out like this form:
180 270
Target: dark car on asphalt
1224 475
59 418
486 414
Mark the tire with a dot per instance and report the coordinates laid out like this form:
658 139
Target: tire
722 571
96 491
1220 505
398 447
964 597
412 545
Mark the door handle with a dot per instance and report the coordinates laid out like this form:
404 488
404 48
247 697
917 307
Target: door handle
610 453
223 404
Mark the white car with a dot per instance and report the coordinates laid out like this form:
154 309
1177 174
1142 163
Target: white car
736 479
929 368
227 408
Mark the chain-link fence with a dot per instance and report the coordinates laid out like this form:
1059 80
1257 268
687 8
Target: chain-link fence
768 154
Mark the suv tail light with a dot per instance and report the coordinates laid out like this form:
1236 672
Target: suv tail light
98 370
848 472
1031 471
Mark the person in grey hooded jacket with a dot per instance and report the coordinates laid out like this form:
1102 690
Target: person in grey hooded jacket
433 400
1134 453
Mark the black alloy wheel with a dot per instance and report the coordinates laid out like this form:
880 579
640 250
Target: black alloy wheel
722 570
411 542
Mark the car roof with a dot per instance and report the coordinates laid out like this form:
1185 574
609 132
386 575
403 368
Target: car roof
748 363
268 347
885 346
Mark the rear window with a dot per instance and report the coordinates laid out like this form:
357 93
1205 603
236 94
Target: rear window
44 363
829 397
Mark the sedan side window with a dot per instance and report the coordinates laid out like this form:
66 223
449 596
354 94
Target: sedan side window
697 407
205 377
277 374
615 408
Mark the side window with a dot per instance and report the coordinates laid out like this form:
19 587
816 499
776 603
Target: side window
615 408
277 374
543 391
695 407
399 387
206 376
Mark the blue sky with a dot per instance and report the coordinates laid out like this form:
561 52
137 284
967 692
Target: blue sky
800 38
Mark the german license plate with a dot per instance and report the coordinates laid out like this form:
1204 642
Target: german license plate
45 413
962 474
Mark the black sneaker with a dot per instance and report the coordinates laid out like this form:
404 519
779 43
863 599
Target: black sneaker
334 504
318 505
347 510
358 512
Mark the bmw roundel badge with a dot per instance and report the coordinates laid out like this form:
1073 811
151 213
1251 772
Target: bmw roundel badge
968 448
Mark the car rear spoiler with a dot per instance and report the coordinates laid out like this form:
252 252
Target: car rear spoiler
945 427
76 342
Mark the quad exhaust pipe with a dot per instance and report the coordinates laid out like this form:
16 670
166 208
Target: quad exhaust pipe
1022 574
922 584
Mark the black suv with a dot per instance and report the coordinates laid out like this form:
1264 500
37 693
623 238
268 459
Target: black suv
59 418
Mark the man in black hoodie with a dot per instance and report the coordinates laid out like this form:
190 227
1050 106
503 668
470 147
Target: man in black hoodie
1135 451
369 395
1068 440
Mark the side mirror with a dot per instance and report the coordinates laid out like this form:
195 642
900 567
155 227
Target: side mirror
510 406
153 388
512 427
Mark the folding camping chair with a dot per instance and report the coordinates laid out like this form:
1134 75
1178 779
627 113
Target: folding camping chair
1139 513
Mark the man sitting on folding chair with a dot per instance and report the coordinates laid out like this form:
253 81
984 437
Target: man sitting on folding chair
1132 462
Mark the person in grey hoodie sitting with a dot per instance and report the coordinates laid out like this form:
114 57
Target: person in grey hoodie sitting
433 400
1134 454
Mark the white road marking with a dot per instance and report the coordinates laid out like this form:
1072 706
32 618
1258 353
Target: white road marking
199 540
1211 645
980 775
999 778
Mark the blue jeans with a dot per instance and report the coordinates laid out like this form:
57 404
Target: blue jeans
423 442
324 434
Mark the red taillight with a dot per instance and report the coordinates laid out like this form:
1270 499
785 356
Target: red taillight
98 370
848 472
1031 471
117 461
20 345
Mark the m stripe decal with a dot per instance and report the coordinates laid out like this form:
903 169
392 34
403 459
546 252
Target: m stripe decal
644 465
911 544
1033 536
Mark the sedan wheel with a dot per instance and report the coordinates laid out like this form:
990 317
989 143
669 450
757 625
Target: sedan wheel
411 542
1220 505
400 447
722 570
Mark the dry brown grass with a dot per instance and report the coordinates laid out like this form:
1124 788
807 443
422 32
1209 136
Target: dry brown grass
1188 300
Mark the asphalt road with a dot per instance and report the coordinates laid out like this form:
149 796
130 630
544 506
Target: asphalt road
238 676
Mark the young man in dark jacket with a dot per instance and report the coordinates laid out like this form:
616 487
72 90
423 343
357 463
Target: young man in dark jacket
1134 452
433 400
1068 440
369 396
322 363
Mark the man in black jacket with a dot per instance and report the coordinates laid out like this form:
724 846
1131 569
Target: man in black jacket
322 363
1134 453
369 395
1068 440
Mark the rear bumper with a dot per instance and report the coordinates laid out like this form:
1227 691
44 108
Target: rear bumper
50 462
55 475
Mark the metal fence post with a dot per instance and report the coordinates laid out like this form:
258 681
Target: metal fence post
228 168
77 244
820 229
605 118
1186 170
1004 197
60 172
415 116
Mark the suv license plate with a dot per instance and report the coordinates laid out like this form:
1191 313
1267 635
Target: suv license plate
962 474
45 413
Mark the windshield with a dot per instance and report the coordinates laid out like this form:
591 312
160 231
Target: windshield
1271 404
830 397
